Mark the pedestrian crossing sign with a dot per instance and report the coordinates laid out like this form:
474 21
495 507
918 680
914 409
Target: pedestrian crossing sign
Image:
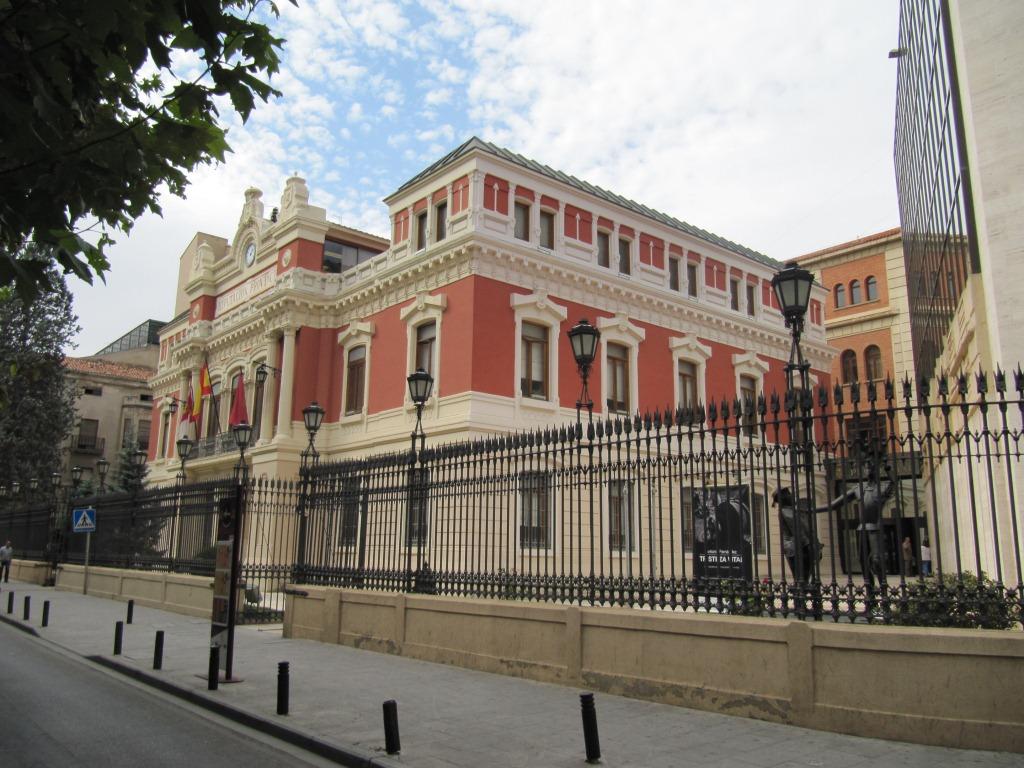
83 519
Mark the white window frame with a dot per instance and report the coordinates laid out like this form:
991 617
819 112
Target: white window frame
619 330
539 309
423 309
688 349
358 334
749 364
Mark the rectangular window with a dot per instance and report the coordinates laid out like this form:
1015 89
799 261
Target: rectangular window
165 434
426 335
691 280
234 391
750 299
93 390
734 294
88 429
534 362
748 393
417 527
624 260
547 229
620 517
350 503
673 274
687 384
535 500
522 222
603 246
421 231
757 511
142 436
256 417
355 374
213 420
686 510
441 222
618 378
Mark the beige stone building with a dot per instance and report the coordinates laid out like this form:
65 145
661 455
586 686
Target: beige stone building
114 402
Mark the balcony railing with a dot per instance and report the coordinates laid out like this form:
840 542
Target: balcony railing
90 444
212 446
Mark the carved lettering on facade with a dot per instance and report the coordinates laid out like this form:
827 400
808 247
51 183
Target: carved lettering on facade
244 292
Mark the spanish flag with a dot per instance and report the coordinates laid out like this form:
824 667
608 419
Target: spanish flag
205 385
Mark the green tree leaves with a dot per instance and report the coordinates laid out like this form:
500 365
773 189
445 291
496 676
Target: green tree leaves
107 101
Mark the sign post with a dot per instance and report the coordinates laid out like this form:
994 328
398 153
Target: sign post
83 520
226 581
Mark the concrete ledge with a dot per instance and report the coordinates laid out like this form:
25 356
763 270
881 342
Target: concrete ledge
174 592
953 688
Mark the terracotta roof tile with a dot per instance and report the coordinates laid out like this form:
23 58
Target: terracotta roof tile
107 368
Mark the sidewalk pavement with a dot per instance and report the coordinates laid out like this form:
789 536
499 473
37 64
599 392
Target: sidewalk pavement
448 716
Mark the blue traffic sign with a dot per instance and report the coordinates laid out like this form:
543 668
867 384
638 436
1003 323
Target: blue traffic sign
83 520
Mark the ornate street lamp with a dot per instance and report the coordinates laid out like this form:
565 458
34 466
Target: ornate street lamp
173 405
102 467
263 371
76 475
33 484
242 433
312 417
16 488
583 338
55 479
420 385
185 446
792 288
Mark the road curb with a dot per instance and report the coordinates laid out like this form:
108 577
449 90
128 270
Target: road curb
19 625
343 755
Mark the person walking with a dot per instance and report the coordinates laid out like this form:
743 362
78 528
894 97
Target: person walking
6 553
926 558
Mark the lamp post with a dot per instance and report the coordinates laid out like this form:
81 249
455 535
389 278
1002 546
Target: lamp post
242 433
102 467
185 446
53 555
313 418
583 338
420 385
792 288
263 371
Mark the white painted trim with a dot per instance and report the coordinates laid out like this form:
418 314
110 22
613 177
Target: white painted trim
689 349
537 308
357 334
619 330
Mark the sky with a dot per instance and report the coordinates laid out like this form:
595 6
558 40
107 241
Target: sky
767 123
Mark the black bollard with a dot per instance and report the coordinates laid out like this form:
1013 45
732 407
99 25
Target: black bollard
28 607
392 744
282 688
590 738
131 610
213 672
10 602
46 613
158 650
118 637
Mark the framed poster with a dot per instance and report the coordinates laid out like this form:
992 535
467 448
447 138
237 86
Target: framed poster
722 533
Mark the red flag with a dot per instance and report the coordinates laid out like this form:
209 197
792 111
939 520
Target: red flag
238 415
186 427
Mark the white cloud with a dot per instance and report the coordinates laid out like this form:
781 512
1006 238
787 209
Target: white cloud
388 111
437 96
432 134
355 112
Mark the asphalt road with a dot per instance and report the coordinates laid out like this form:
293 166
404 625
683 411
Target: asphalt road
59 710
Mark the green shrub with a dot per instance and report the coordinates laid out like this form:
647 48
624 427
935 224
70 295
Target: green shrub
966 602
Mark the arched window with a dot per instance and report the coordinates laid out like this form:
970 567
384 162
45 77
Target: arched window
871 288
873 363
855 292
848 362
840 295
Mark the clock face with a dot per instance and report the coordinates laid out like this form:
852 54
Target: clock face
250 254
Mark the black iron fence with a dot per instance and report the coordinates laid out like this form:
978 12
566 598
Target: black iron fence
867 503
170 528
872 503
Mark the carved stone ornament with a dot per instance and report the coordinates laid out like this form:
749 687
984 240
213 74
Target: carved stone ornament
286 257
